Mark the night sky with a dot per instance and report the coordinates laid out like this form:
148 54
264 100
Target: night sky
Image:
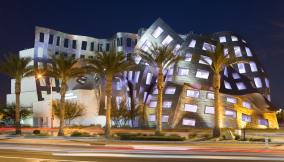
260 23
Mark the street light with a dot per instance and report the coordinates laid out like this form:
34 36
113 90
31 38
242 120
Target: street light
39 76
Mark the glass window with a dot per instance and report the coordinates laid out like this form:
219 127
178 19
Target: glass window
158 31
231 100
248 51
209 110
84 45
74 44
192 43
241 86
226 52
40 52
176 49
129 75
188 57
226 71
230 113
202 74
41 37
253 66
210 95
58 41
136 76
190 107
155 91
146 45
236 76
183 71
107 47
50 40
238 52
167 104
118 86
241 67
266 82
222 39
263 122
257 82
192 93
148 78
227 85
119 42
205 60
188 122
234 38
246 118
165 118
128 42
66 43
170 90
167 40
118 100
246 104
153 104
208 47
92 46
170 71
152 118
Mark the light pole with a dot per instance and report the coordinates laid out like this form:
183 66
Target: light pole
39 76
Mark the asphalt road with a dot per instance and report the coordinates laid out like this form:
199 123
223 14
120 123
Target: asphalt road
46 153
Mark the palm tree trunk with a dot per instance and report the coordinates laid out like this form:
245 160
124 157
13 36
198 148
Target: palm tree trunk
159 108
62 108
17 110
219 112
108 108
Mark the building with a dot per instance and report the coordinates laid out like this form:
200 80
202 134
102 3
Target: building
188 98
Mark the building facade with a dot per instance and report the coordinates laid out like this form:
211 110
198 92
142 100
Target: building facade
188 97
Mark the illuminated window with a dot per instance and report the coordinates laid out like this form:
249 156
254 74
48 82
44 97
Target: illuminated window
230 113
226 72
263 122
50 40
188 122
246 118
241 67
152 118
190 107
236 76
252 66
202 74
118 100
74 44
266 82
226 52
231 100
148 78
222 39
183 71
257 82
129 75
41 37
170 90
248 51
155 91
40 52
167 104
209 110
146 45
238 52
128 42
234 38
246 105
192 93
210 95
176 49
165 118
84 45
208 47
188 57
192 43
136 76
157 32
58 41
66 43
205 60
241 86
153 104
167 40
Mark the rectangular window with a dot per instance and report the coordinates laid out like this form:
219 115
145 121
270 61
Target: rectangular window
148 78
153 104
119 42
236 76
266 82
66 43
92 48
210 95
241 67
167 104
188 57
205 60
50 40
253 66
248 51
40 52
192 43
241 86
41 37
155 91
238 52
176 49
152 118
222 39
100 47
202 74
74 44
170 90
118 100
230 113
82 56
165 118
226 71
107 47
58 41
183 71
129 75
84 45
128 42
263 122
136 76
158 31
257 82
208 47
167 40
246 118
190 107
226 52
192 93
146 45
246 105
227 85
209 110
234 38
231 100
188 122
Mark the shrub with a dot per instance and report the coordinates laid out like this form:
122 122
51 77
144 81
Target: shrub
259 139
36 132
192 135
237 137
150 137
80 134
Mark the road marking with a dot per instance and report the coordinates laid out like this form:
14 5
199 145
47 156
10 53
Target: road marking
40 159
170 156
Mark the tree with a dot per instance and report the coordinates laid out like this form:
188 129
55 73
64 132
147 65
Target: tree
73 110
17 68
8 112
108 64
160 58
64 69
220 60
119 114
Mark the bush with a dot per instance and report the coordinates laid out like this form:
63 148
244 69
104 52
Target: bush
36 132
150 137
237 137
259 139
192 135
80 134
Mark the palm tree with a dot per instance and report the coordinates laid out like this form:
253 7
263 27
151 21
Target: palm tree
64 69
108 64
160 58
220 60
17 68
